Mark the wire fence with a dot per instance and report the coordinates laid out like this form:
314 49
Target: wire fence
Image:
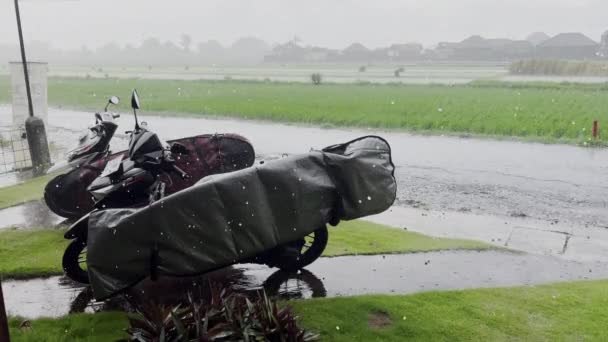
14 149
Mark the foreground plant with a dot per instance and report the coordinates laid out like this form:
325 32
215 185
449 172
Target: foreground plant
225 316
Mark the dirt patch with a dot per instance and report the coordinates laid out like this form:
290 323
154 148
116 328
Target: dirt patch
379 319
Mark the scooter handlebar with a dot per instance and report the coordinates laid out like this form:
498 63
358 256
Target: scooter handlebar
181 172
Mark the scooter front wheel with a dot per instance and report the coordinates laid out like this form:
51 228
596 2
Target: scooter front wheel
64 196
310 250
75 261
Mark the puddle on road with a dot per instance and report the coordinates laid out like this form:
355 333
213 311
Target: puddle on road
28 215
407 273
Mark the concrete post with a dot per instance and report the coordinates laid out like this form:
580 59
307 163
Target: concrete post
39 148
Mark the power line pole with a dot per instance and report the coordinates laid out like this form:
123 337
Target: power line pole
34 126
24 60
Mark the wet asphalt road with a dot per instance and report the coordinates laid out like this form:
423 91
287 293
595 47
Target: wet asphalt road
552 183
529 194
550 200
327 277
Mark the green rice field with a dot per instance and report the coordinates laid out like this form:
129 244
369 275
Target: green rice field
550 112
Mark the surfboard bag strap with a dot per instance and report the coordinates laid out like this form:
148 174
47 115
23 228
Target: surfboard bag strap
230 217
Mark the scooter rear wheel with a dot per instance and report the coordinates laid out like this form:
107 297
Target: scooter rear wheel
312 248
74 261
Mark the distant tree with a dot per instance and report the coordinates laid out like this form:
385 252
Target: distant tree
398 72
316 78
362 68
185 42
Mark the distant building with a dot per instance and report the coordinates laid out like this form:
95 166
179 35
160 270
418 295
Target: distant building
356 52
568 46
401 52
477 48
316 54
537 38
284 53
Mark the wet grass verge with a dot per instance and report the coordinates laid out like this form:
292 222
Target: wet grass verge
361 237
574 311
29 190
100 327
32 253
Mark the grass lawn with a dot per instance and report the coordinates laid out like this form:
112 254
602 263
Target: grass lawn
30 253
575 311
563 312
541 111
363 237
32 189
100 327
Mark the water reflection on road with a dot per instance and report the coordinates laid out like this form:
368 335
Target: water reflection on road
339 276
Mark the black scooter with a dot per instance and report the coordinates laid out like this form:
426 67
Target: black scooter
136 181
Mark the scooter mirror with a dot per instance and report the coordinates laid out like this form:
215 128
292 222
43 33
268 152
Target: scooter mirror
134 100
114 100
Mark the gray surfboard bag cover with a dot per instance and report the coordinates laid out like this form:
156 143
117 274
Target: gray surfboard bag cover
226 218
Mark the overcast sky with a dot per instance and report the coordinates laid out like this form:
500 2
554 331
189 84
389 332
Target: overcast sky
328 23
